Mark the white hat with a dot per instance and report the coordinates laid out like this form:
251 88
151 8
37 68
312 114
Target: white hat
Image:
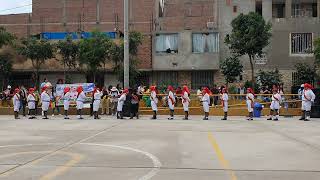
9 87
114 89
302 85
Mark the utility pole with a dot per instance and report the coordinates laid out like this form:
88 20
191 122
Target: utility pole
126 63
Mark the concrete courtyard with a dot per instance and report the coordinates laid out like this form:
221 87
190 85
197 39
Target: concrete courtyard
159 149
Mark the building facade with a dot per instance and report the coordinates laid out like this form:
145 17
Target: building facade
183 39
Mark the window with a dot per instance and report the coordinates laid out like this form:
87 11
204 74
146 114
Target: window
235 9
201 79
164 78
301 43
205 42
167 43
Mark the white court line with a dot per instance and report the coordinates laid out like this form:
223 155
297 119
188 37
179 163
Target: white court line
156 162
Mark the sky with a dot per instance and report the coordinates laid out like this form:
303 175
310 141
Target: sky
15 6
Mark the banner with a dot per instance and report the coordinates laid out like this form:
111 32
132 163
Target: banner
87 89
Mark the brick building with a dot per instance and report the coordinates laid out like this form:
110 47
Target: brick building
184 39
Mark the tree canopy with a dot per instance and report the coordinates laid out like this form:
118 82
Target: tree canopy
231 68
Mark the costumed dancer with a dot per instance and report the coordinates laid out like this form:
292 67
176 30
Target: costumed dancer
45 100
31 99
171 101
224 100
66 101
308 98
96 102
154 101
81 97
250 103
121 101
185 101
275 105
16 103
205 102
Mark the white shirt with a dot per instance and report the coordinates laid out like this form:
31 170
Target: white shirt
81 97
276 97
45 97
308 95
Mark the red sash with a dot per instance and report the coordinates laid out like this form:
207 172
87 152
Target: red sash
18 97
306 96
171 100
275 98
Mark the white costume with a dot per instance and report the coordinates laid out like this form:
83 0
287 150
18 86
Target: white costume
185 101
31 99
224 99
206 102
66 101
154 101
16 102
171 100
121 102
276 100
307 99
45 99
250 101
80 100
97 99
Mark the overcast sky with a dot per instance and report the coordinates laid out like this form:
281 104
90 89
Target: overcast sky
15 6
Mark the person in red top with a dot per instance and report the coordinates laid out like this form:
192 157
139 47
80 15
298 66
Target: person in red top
31 99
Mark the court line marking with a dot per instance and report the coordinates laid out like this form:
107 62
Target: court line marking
75 159
156 162
223 162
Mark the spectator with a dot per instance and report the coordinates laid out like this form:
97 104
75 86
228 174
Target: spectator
199 93
241 91
114 94
134 109
7 95
105 101
23 100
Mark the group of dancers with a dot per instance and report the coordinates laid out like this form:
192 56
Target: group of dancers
308 98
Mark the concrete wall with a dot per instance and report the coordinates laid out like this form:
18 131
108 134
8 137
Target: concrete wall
185 59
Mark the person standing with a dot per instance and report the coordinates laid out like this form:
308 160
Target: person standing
134 109
31 99
23 99
185 101
206 102
154 101
105 102
45 100
37 96
96 102
121 101
81 97
275 105
171 101
114 100
308 98
66 101
250 103
16 103
224 101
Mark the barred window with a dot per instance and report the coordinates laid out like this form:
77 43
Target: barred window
301 43
202 79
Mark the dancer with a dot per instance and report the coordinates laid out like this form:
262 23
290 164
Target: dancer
185 101
16 103
66 101
154 101
121 101
224 100
275 105
31 99
250 103
171 101
205 102
308 98
96 102
81 97
45 100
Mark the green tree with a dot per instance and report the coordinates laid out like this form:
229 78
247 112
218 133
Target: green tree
6 38
38 51
269 78
94 51
5 66
135 40
69 54
317 50
250 34
305 73
231 68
